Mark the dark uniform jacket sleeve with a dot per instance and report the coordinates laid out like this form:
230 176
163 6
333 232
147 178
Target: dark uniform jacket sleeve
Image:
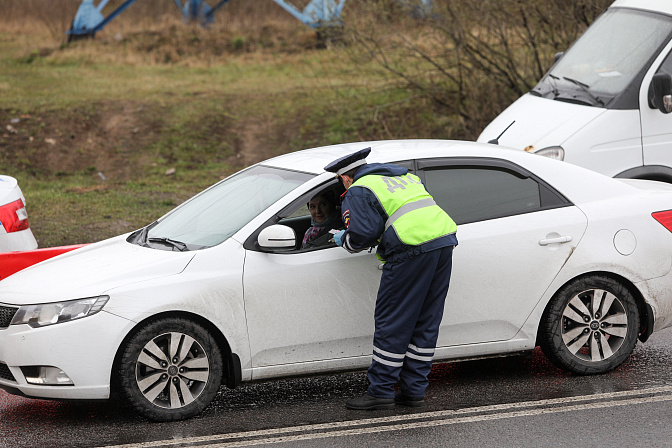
364 218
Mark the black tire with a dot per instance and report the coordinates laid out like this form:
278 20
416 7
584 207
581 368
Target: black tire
171 369
590 326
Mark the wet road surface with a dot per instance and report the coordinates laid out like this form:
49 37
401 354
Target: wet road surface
514 401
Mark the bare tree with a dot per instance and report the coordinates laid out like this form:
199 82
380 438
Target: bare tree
473 58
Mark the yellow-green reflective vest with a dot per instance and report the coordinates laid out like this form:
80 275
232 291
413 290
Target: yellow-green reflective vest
412 212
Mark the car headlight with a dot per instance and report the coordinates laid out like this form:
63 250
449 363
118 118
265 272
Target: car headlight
552 152
57 312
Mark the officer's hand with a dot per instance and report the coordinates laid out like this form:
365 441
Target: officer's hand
338 238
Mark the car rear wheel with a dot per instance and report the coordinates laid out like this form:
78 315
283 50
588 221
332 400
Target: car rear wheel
170 369
590 326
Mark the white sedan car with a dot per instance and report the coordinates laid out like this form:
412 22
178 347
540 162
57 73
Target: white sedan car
218 291
15 233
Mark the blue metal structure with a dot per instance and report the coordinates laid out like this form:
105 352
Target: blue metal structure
198 10
89 18
317 13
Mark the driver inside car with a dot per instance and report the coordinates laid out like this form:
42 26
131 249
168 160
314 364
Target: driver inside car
324 217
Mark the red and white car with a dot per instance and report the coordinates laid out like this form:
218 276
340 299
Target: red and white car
18 247
15 231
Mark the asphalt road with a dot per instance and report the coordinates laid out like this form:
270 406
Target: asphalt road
515 401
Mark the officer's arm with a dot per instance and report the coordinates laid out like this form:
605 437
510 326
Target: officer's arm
365 224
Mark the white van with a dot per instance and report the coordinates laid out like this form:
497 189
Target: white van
606 102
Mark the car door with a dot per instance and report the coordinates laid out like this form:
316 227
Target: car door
515 233
309 306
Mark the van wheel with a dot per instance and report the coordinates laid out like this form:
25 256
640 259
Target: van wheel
171 369
590 326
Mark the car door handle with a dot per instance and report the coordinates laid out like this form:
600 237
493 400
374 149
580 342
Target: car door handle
556 240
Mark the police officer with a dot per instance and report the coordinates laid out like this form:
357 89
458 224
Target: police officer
384 205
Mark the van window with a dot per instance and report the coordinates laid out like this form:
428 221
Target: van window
612 51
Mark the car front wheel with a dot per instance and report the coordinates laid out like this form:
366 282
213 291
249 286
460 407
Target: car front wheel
170 369
590 326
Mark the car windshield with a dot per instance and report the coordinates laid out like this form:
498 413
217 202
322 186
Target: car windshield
214 215
611 52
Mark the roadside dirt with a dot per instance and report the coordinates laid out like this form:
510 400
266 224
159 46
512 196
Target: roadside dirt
53 143
117 139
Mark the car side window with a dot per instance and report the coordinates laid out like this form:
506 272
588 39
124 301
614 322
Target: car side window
298 216
477 193
314 215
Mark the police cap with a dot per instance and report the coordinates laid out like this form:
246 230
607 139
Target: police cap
345 164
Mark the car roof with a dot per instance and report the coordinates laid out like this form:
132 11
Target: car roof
662 6
314 160
575 182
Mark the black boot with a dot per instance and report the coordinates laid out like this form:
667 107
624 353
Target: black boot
369 403
412 402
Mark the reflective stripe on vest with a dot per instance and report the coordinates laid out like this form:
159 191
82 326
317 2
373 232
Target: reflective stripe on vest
407 208
411 210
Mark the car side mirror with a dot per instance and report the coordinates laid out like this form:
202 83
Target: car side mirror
557 56
277 236
662 92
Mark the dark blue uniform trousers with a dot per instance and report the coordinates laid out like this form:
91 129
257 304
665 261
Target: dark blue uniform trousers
409 308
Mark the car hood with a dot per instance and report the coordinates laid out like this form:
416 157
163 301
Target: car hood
90 271
539 123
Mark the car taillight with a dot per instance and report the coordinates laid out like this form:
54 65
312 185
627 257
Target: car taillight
665 218
14 217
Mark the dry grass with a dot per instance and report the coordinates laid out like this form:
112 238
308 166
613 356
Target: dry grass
152 32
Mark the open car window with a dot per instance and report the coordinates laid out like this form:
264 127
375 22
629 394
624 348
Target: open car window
297 216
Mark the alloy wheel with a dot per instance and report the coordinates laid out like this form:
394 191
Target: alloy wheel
172 370
594 325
